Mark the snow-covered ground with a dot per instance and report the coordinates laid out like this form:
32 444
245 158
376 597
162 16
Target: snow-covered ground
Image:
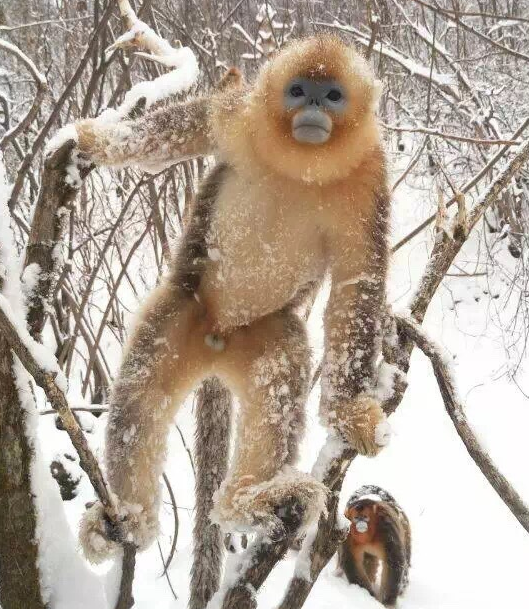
468 551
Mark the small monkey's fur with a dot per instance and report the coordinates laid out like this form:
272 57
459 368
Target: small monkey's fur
271 219
384 546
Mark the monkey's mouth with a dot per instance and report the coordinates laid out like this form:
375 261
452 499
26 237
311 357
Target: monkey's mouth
361 525
311 127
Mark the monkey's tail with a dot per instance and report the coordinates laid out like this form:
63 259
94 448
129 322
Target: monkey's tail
212 447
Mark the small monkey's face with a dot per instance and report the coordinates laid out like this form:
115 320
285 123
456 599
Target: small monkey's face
363 515
313 103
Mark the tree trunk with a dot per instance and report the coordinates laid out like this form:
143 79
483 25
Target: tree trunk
19 574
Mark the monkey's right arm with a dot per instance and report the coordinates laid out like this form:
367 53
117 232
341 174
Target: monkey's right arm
157 139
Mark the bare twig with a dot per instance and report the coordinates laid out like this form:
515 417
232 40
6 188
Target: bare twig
176 525
452 136
42 87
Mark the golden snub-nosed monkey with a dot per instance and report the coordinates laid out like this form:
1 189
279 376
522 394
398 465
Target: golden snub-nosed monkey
299 189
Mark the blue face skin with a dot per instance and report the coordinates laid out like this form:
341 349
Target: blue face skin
314 100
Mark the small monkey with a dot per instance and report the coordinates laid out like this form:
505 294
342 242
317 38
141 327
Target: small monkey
378 544
299 190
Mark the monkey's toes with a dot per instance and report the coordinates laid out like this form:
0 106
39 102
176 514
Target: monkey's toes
281 507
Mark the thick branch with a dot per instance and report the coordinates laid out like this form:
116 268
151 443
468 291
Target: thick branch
25 348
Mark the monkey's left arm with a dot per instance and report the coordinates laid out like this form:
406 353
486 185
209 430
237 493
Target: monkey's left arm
353 328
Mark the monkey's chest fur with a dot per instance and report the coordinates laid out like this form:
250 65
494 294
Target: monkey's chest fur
261 249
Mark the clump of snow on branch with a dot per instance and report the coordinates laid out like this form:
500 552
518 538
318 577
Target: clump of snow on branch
9 261
180 79
332 449
67 133
303 562
181 60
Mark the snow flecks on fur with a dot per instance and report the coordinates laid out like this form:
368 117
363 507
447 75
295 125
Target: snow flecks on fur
360 420
153 142
137 524
253 505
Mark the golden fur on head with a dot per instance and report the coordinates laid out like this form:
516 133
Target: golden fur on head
265 128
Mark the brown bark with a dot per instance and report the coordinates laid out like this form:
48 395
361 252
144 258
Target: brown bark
19 574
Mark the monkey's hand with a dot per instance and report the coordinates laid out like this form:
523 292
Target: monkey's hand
360 421
101 539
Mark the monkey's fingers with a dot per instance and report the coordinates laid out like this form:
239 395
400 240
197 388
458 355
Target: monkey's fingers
96 542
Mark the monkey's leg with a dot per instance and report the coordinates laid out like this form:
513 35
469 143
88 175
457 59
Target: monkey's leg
267 366
371 567
394 576
354 567
161 365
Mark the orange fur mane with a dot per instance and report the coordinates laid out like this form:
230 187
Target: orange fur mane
254 128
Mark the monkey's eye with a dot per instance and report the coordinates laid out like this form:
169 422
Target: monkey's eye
297 91
334 95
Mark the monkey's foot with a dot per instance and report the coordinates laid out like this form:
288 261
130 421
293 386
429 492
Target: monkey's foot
362 423
281 507
101 539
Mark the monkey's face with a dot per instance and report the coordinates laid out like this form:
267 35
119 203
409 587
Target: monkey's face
312 115
313 103
363 516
